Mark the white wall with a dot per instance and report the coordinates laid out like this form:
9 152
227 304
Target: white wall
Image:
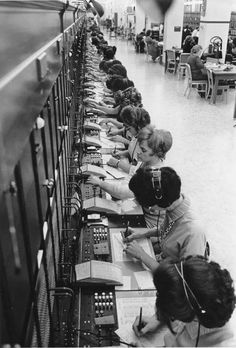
119 6
173 18
150 9
218 11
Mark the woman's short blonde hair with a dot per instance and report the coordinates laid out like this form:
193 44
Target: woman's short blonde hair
196 49
159 140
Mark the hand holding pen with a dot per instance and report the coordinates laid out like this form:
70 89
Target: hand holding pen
125 234
146 324
115 153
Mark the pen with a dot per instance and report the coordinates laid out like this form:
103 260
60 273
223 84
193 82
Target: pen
114 152
127 227
140 319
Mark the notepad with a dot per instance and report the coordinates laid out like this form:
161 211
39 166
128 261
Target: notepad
98 272
91 169
126 207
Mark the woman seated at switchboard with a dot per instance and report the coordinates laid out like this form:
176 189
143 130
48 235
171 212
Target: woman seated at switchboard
195 300
153 144
181 234
128 96
106 65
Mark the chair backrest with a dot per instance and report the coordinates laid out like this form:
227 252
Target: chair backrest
212 60
183 58
188 72
170 54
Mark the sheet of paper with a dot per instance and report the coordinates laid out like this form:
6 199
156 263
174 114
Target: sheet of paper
127 334
144 279
126 284
128 307
130 206
82 270
106 270
118 251
114 172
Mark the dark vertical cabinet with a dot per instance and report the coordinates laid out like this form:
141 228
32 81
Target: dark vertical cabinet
37 107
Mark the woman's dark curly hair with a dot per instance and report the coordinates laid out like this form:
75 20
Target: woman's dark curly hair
109 52
107 64
118 69
128 96
135 116
118 83
142 186
211 285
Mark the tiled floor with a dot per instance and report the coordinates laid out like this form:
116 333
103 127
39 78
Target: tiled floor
204 147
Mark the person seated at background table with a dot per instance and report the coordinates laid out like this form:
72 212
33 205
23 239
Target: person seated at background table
186 32
197 67
152 46
153 144
234 48
139 42
181 234
188 44
195 300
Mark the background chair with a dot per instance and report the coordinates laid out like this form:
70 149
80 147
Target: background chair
201 85
171 61
182 64
223 87
147 55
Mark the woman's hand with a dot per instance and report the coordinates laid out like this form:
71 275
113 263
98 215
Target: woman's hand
134 235
149 325
113 162
104 121
116 154
134 249
94 180
111 132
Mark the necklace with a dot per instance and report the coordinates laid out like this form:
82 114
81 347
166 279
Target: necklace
166 231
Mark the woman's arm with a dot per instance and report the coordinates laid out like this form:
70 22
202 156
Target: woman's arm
136 251
111 120
116 188
106 109
146 234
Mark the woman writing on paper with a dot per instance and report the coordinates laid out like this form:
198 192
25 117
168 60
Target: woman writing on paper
181 234
195 300
153 145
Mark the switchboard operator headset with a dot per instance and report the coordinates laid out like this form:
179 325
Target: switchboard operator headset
194 305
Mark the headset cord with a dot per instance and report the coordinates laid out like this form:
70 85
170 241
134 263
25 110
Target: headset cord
198 334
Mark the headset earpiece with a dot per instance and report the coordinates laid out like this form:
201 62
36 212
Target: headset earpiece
156 182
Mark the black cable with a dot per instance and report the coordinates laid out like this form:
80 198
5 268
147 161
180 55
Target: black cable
198 334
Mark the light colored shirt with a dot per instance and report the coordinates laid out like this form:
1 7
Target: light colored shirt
187 335
186 236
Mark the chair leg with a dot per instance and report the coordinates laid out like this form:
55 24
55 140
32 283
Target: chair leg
187 91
